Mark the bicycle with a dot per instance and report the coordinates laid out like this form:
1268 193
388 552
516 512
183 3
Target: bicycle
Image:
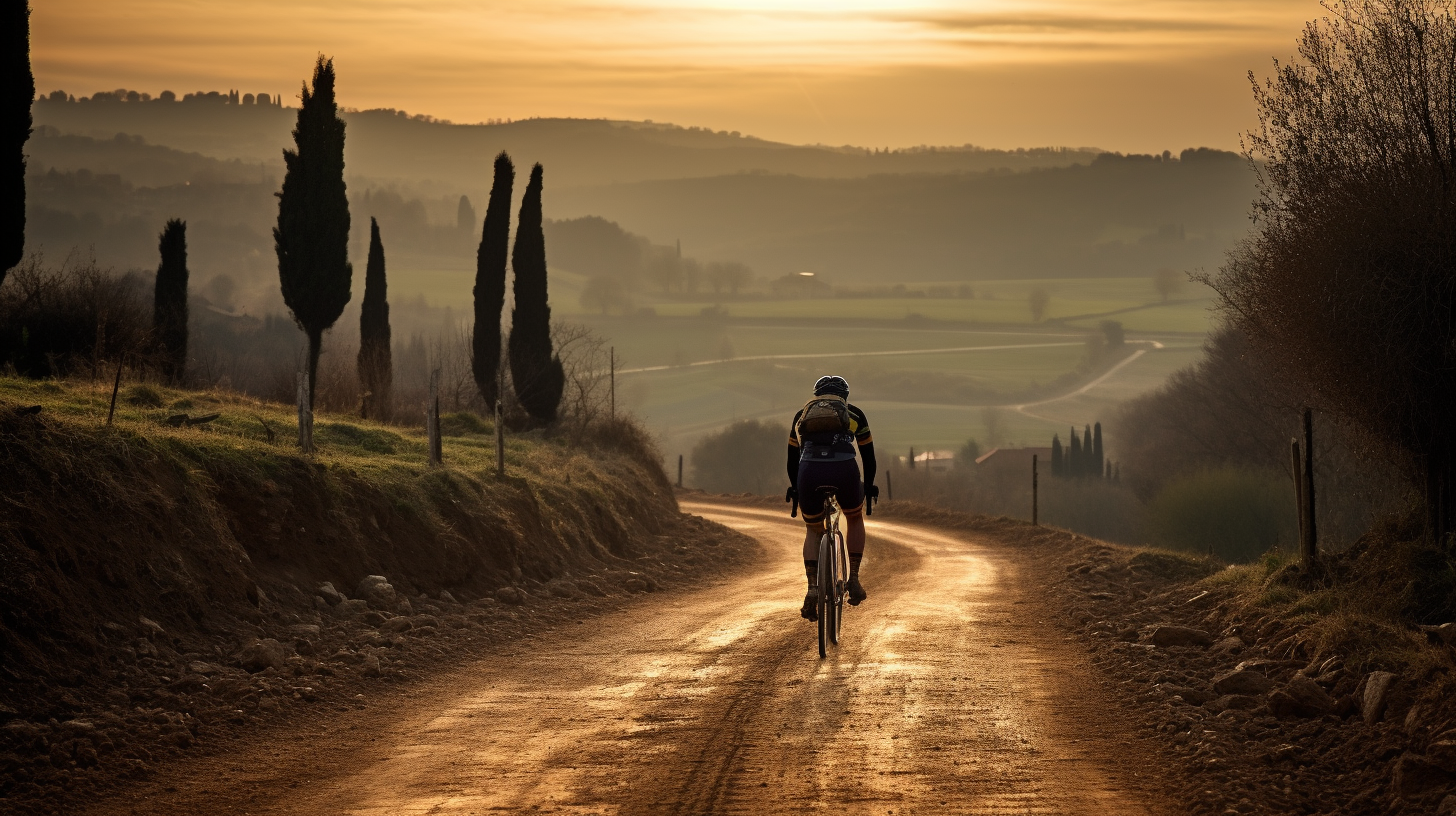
833 576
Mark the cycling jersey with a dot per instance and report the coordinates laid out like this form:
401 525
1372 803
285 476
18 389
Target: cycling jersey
828 459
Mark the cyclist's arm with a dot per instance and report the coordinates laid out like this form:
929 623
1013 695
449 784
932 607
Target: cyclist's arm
867 453
794 451
866 442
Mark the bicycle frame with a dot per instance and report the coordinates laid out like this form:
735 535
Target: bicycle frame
833 576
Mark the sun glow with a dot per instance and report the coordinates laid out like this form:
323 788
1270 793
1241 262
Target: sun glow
799 70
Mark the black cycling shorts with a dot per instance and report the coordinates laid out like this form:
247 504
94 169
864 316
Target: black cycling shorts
843 475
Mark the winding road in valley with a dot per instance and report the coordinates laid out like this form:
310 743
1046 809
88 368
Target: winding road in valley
951 694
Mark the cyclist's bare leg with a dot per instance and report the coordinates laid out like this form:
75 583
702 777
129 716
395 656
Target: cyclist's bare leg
855 541
854 533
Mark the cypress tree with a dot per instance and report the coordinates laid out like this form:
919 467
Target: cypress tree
17 91
376 371
1097 448
490 281
169 302
535 372
465 215
1075 458
312 236
1089 463
1056 456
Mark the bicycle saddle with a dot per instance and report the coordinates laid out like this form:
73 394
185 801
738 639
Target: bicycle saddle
826 491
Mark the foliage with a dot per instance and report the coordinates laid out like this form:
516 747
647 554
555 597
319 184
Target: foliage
1038 300
1234 513
745 457
71 319
1347 286
490 282
312 236
169 303
375 363
19 90
536 373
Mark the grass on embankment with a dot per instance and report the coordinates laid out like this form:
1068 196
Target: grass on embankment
208 529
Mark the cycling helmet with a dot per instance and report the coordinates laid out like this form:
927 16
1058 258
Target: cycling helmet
831 385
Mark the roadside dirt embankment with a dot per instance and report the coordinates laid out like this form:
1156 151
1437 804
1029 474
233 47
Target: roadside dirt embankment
1271 688
162 590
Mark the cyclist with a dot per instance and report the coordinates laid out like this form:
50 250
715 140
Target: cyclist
822 441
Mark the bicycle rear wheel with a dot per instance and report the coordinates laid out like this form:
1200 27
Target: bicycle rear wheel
826 592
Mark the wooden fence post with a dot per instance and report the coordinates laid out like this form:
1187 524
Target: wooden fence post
1033 491
1296 467
1311 539
115 388
432 418
500 443
305 415
889 486
679 469
614 382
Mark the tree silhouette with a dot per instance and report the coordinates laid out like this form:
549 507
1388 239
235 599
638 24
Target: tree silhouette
465 215
1074 457
18 92
1097 460
1346 285
312 236
1038 301
535 372
1058 466
169 302
490 281
1089 460
376 369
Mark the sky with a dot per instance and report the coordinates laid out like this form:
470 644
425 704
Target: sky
1132 76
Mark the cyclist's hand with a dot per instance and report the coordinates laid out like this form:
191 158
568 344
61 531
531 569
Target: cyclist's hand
872 491
792 494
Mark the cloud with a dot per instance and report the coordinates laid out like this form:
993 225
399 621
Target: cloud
1008 23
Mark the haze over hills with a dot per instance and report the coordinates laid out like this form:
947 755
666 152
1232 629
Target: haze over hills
387 146
851 214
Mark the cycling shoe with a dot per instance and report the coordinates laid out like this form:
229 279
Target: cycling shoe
856 592
811 606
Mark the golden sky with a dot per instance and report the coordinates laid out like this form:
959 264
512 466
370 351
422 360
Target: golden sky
1134 75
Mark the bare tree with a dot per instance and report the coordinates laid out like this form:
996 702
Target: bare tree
1348 283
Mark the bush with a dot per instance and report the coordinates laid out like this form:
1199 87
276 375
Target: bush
745 457
1237 514
57 322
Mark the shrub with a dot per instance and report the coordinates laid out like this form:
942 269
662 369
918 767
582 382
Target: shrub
61 321
1235 513
745 457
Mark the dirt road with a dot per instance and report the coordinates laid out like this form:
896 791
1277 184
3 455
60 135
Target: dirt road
949 695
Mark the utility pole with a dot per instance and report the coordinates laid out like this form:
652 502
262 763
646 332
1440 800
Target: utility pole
679 470
614 381
1033 491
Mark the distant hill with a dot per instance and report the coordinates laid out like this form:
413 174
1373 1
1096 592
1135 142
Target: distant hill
387 146
1114 216
106 175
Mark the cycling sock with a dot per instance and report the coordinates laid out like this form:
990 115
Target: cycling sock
812 568
854 559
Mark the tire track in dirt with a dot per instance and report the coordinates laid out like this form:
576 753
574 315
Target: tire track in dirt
950 694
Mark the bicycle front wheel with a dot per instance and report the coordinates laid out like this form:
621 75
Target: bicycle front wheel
826 592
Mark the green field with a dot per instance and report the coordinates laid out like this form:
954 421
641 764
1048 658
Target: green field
932 372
